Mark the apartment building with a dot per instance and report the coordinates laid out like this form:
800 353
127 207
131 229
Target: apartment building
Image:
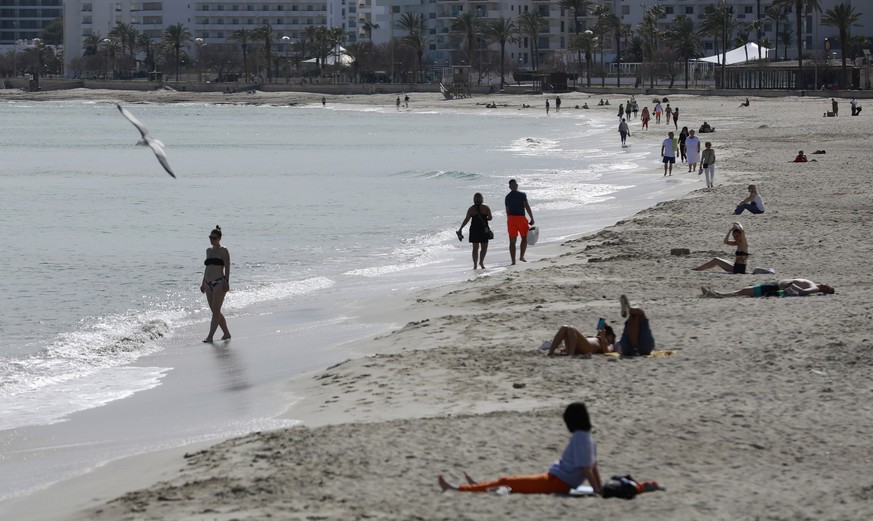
25 19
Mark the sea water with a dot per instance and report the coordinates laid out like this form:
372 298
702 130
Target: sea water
320 207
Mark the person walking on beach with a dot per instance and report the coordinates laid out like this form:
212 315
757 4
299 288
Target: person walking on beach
397 103
557 103
627 111
645 117
707 164
835 107
668 155
658 112
516 223
478 216
323 101
683 135
736 236
216 283
676 118
668 112
547 106
620 110
692 150
406 101
577 465
752 203
623 131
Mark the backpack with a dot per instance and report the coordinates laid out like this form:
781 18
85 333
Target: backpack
623 487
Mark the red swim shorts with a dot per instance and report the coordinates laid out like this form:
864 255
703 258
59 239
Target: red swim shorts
517 225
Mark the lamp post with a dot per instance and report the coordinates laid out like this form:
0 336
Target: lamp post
286 40
200 43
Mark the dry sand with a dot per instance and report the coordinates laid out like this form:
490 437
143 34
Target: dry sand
763 412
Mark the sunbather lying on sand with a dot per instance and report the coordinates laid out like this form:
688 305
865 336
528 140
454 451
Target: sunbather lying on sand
636 339
783 288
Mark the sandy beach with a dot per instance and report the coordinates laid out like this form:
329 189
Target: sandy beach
760 412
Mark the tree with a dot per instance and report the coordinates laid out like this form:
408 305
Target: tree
175 37
368 26
53 33
786 37
242 37
842 17
359 52
718 20
144 44
586 42
126 35
577 7
532 23
775 15
620 31
685 40
266 35
416 39
92 44
650 34
501 31
742 38
603 27
468 25
799 6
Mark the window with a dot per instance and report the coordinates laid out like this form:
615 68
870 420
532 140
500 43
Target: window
668 9
689 10
748 10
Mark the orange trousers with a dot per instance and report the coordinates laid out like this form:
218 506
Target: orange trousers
544 483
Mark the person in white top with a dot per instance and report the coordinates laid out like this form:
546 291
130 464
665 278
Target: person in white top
753 203
692 150
668 153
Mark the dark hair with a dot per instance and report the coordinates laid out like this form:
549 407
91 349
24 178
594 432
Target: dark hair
576 417
478 199
608 329
512 181
217 231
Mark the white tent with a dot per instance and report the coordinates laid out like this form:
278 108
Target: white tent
338 56
738 55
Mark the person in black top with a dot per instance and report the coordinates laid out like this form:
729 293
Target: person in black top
478 216
516 224
216 283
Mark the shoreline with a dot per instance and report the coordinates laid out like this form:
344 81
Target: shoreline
457 365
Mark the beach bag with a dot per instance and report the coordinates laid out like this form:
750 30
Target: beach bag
488 233
623 487
533 235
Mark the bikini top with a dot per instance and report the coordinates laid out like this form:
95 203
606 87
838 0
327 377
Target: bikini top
214 261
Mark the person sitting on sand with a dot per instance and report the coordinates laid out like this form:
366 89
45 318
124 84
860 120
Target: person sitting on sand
740 256
801 157
601 103
705 128
578 464
575 343
752 203
745 103
783 288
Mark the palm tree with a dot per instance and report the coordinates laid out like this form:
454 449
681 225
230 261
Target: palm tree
243 37
359 52
532 23
92 44
577 7
775 15
685 40
468 24
650 33
842 17
177 36
585 42
368 26
620 31
501 31
126 35
742 38
144 44
799 6
719 21
603 27
786 36
416 39
266 35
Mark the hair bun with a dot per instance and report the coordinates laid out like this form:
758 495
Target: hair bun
217 227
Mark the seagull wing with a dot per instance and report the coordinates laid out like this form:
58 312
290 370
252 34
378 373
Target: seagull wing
156 146
130 117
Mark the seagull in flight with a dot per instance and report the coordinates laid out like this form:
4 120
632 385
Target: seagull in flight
147 140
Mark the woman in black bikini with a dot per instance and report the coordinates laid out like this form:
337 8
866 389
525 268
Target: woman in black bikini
478 216
740 256
216 283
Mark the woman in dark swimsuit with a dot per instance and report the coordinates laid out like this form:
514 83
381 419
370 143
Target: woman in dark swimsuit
740 256
478 216
216 283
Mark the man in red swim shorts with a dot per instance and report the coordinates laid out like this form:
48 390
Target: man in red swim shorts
516 223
